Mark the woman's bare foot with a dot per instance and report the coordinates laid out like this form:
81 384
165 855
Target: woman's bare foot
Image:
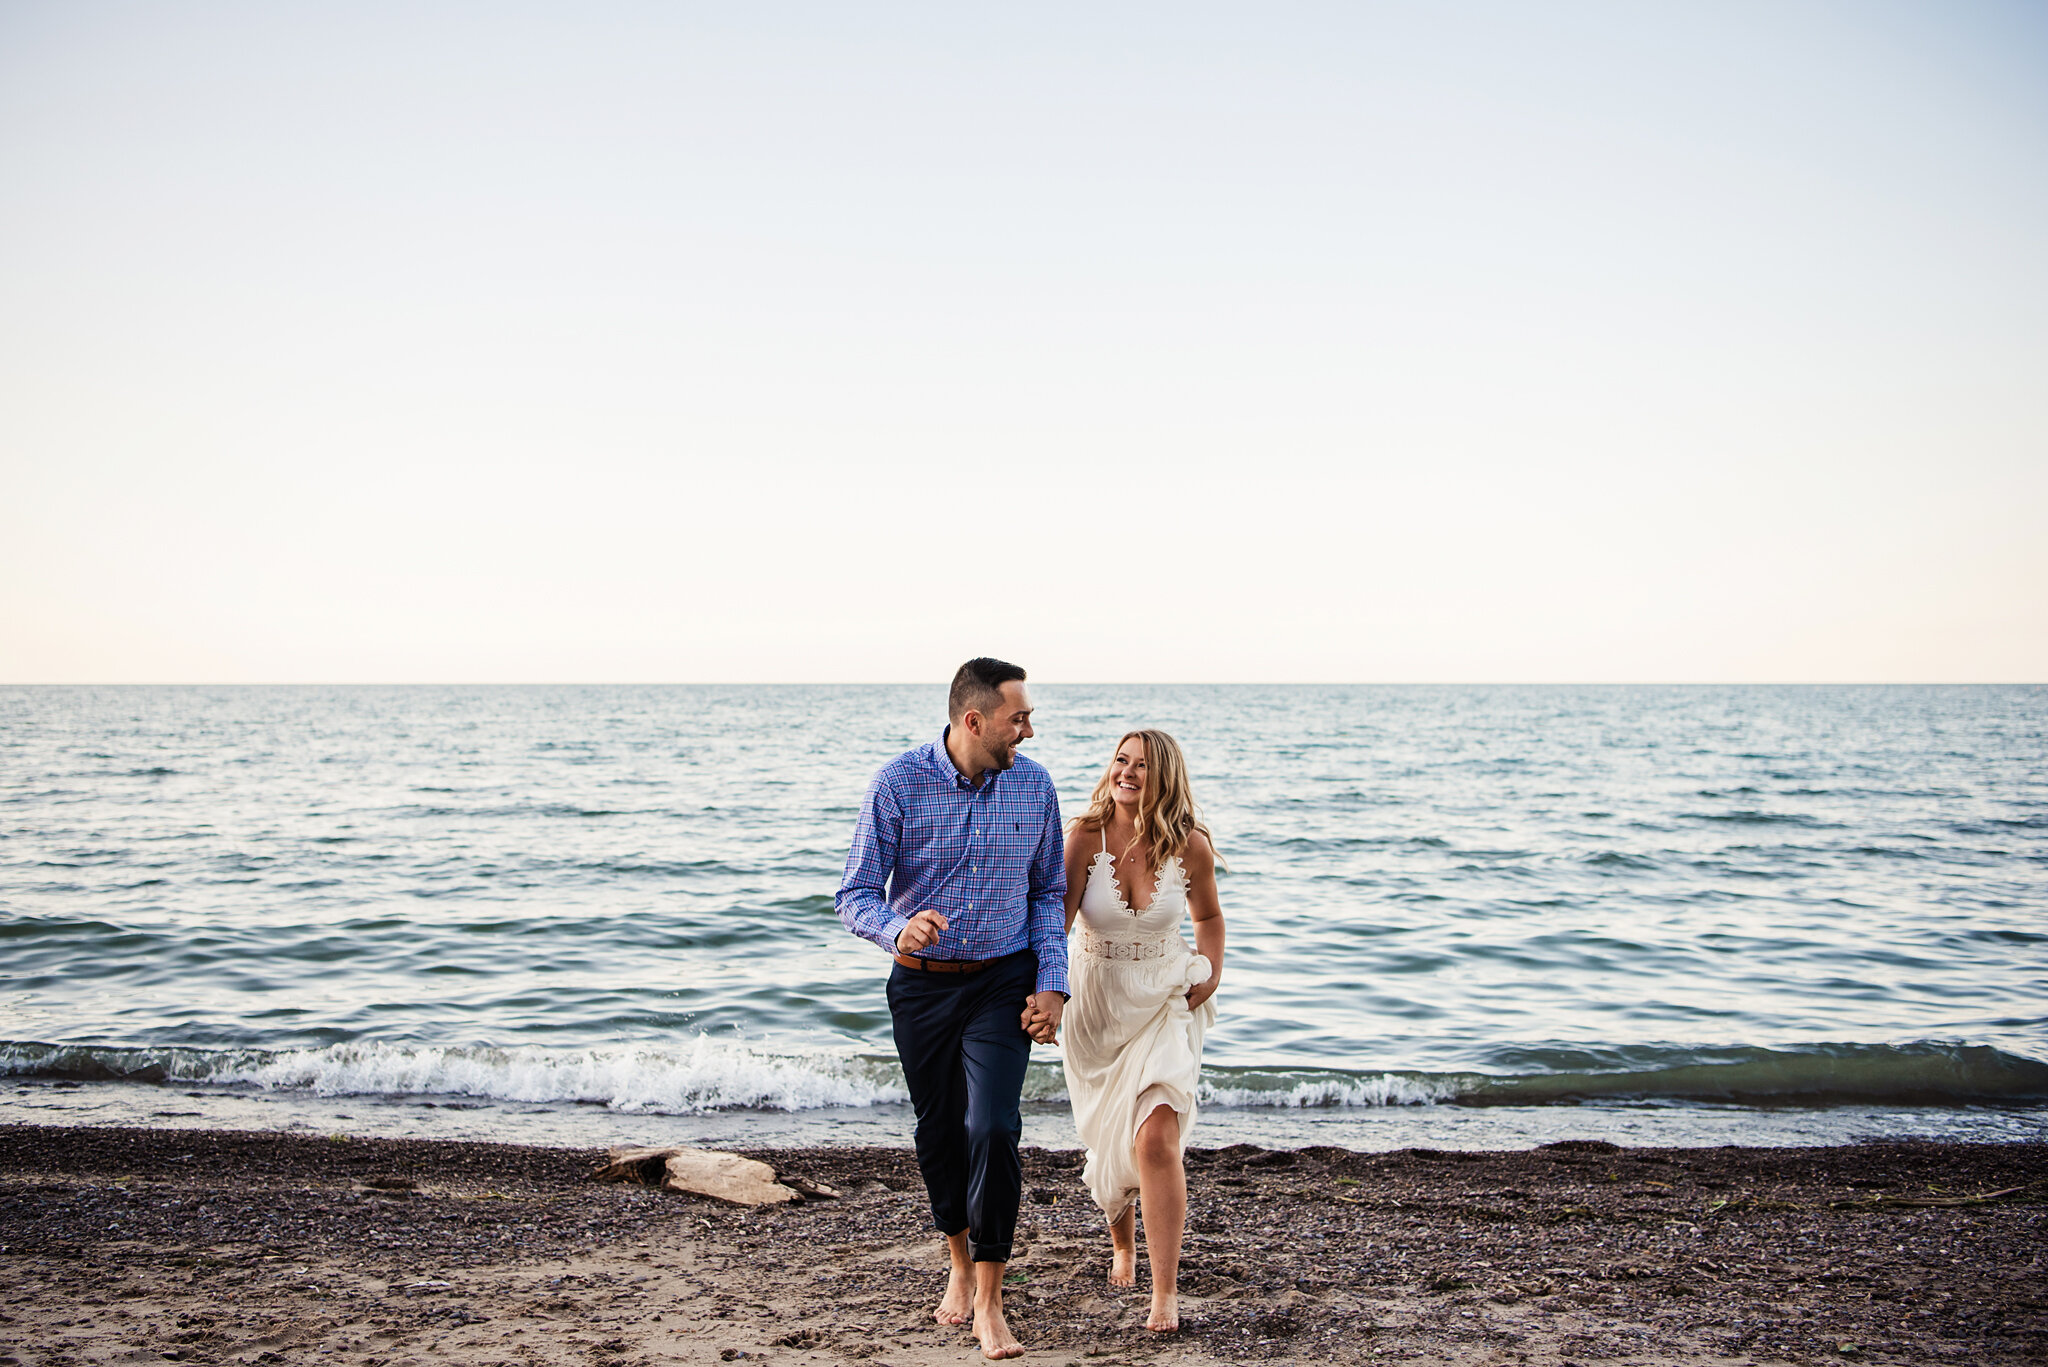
1165 1316
997 1342
957 1305
1123 1249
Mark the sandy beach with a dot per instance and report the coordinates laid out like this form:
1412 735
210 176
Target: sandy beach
128 1245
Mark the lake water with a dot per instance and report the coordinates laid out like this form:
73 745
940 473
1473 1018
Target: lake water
1458 916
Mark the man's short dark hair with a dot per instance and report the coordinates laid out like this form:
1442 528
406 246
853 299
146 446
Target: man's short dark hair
978 685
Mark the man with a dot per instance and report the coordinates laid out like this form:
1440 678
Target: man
957 870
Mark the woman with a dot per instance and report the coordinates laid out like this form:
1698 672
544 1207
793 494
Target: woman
1137 860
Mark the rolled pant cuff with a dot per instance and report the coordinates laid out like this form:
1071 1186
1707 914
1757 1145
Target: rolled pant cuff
989 1253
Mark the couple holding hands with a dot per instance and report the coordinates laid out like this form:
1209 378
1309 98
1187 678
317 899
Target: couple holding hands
961 870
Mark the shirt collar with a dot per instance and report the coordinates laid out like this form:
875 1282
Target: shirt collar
942 760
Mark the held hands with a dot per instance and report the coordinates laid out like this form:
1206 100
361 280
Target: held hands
1042 1013
922 930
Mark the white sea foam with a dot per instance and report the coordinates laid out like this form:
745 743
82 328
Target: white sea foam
705 1075
701 1075
1381 1089
710 1073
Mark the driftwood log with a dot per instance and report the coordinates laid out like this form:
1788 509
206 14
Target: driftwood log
707 1172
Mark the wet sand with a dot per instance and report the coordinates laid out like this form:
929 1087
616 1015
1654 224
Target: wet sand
146 1246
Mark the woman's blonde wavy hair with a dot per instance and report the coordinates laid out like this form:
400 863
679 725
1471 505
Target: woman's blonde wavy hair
1167 814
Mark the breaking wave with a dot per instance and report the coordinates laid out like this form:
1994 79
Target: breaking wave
710 1074
705 1075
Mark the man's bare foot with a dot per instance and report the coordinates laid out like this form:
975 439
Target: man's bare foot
957 1305
1123 1266
1165 1316
997 1342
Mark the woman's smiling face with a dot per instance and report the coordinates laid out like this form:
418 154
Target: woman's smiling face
1127 774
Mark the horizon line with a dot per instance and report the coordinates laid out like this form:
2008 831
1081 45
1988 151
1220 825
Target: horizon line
1065 683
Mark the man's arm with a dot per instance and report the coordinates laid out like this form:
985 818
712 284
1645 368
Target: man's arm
863 899
1048 900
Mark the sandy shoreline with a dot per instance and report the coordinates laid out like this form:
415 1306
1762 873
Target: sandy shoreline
122 1245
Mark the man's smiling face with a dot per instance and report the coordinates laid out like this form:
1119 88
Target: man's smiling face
1005 726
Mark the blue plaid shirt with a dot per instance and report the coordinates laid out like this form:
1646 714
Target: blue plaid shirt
989 859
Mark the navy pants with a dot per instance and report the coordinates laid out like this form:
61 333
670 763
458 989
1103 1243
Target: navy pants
963 1046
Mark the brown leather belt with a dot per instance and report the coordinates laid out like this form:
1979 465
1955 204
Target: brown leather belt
944 965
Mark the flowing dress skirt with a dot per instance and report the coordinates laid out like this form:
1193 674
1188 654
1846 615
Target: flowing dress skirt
1130 1044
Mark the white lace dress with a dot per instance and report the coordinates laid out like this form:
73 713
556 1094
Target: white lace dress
1128 1041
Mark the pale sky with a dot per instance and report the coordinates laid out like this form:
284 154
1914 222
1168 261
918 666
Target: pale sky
1350 341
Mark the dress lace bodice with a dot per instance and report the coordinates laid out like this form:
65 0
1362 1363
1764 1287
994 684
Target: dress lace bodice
1112 929
1105 910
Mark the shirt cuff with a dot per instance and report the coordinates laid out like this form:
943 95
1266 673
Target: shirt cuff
1054 979
890 931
